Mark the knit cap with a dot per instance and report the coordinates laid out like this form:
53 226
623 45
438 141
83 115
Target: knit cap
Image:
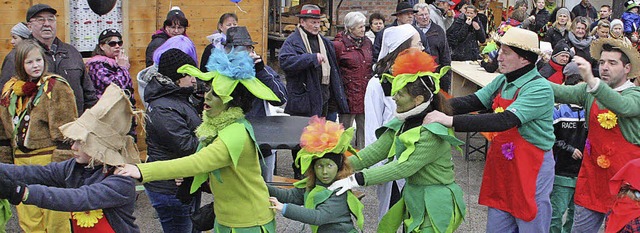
563 11
175 11
21 30
572 74
561 48
171 60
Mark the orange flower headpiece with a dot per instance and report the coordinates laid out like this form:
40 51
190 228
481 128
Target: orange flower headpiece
321 137
412 64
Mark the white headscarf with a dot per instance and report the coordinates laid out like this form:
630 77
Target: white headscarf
393 37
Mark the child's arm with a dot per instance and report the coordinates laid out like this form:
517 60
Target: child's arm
294 195
333 210
52 174
373 153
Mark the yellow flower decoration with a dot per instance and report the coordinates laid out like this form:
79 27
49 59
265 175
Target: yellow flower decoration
608 120
17 87
498 110
87 219
603 161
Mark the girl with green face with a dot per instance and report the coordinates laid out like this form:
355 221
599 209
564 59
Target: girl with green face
322 158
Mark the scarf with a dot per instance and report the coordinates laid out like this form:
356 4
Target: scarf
414 111
326 67
210 126
579 43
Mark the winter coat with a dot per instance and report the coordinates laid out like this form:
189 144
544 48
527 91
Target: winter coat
355 69
171 123
71 187
586 11
571 133
271 79
438 17
552 71
542 18
554 35
377 44
463 39
439 49
104 70
305 95
157 39
629 20
62 59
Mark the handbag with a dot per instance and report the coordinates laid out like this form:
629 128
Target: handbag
203 218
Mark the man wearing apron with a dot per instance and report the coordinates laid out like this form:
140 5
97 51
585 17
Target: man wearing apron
519 172
612 103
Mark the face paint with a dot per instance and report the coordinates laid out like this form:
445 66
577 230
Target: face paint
213 105
325 170
404 100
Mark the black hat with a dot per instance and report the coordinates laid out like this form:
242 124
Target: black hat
175 11
404 7
561 48
171 60
35 9
239 36
309 11
108 33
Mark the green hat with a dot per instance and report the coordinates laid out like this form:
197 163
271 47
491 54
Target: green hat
322 137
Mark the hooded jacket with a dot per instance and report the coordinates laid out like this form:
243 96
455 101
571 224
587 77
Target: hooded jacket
463 39
171 125
157 39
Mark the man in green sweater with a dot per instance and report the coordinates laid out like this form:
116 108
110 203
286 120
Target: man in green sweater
612 103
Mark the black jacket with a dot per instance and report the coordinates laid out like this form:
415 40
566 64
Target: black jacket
542 18
439 49
554 35
571 133
171 124
157 39
62 59
463 39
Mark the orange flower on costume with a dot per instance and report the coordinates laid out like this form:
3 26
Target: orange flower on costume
608 120
412 61
320 135
603 161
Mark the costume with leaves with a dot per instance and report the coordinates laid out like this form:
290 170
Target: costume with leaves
421 154
228 153
316 205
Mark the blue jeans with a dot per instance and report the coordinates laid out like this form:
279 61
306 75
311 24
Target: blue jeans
586 220
175 217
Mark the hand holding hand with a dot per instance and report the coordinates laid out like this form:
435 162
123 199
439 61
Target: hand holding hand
344 184
275 204
12 191
576 154
129 170
438 117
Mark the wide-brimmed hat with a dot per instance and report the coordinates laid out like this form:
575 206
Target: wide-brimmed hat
522 39
239 36
310 11
103 129
404 7
630 51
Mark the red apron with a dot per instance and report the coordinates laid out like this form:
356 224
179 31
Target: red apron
511 171
102 226
592 187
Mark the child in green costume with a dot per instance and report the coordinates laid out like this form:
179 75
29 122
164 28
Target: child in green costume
322 158
421 154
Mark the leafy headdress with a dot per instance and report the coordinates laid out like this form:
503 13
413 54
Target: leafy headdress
322 139
412 64
229 70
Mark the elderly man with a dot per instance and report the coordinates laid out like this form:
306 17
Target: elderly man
404 15
440 13
63 59
613 105
518 174
311 69
437 41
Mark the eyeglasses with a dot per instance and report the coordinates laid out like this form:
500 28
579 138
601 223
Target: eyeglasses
114 43
42 20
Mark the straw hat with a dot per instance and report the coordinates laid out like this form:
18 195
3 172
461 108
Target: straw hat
522 39
631 52
103 129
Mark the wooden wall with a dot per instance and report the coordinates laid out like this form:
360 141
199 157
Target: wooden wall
143 17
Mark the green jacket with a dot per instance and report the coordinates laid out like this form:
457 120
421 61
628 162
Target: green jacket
626 105
242 198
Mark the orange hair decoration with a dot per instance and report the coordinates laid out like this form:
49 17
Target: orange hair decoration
412 61
320 135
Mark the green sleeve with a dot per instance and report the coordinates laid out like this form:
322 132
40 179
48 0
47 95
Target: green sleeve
293 195
375 152
625 105
209 158
570 94
485 93
333 210
534 101
423 155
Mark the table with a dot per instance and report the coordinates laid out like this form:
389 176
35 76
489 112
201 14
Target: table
278 132
467 77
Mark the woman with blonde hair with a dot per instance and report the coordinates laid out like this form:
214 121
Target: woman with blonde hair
560 25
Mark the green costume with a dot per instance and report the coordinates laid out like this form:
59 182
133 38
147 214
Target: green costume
431 200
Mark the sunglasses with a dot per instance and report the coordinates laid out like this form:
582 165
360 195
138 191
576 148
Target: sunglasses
114 43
